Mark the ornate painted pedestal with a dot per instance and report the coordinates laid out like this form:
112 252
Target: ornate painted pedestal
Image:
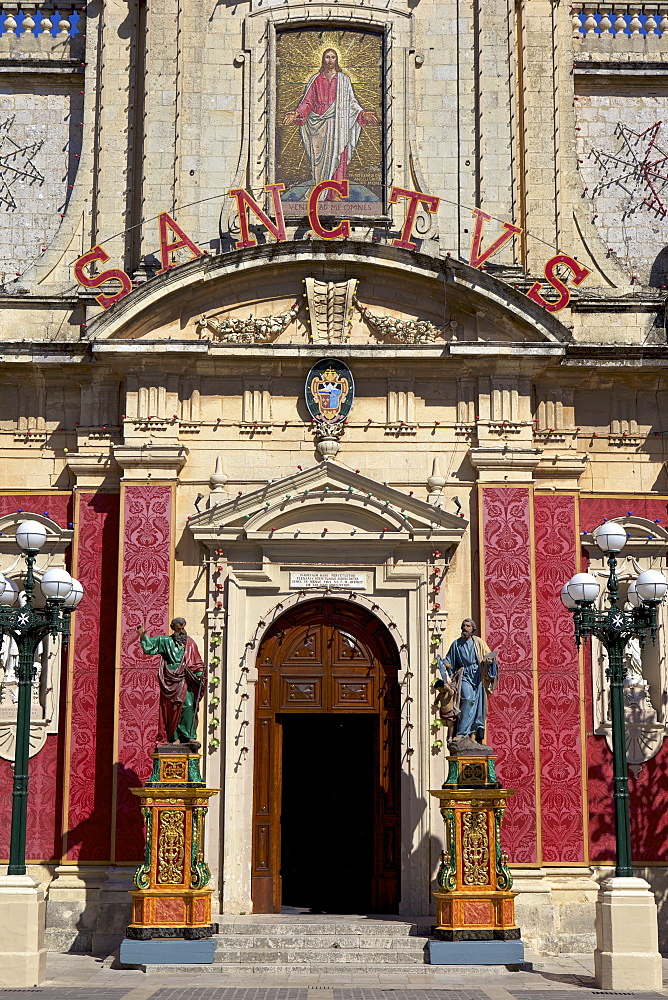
172 899
474 901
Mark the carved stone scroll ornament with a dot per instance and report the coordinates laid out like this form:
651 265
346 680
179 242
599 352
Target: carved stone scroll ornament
399 331
252 330
330 305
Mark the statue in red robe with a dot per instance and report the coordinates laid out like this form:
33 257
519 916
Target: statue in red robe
182 679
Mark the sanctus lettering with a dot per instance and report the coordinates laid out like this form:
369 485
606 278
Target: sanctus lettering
579 275
113 273
415 198
477 259
168 247
246 201
340 232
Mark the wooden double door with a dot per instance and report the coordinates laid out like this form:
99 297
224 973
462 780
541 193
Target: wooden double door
326 823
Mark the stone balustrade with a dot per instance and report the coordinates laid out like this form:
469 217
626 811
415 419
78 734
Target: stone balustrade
600 19
25 20
620 32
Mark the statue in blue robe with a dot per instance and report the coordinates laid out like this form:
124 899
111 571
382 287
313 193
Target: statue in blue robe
472 668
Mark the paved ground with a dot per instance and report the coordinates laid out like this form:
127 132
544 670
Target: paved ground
81 977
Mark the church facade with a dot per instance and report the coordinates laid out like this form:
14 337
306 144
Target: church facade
324 426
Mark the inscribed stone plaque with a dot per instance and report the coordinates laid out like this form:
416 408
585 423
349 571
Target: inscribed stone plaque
302 580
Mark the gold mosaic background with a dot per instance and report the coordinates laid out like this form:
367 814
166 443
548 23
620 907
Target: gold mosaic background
299 55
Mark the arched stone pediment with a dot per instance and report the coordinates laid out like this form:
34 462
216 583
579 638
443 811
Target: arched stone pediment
327 503
274 295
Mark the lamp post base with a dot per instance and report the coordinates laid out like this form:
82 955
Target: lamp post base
627 944
22 920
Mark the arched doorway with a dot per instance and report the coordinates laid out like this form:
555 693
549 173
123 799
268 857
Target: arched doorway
327 763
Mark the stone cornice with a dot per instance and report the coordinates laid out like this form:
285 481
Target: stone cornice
91 468
151 460
616 355
505 464
29 352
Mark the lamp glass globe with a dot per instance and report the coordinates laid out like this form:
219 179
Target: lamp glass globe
610 537
10 594
632 595
74 596
566 598
651 585
583 587
56 584
30 536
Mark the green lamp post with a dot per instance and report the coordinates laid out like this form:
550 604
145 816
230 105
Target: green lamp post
28 625
613 627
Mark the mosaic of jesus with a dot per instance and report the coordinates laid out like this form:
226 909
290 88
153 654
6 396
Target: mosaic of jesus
329 119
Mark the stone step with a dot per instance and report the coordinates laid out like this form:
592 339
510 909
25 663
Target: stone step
284 942
389 972
254 925
309 956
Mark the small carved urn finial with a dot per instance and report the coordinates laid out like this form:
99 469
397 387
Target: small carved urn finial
328 439
218 481
436 480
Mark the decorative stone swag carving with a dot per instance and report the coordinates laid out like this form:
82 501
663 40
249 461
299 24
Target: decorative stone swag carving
399 331
253 330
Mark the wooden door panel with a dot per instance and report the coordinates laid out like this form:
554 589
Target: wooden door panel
264 691
265 865
303 648
347 650
353 694
301 693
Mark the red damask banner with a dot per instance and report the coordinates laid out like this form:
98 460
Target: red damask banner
508 628
145 567
89 791
559 696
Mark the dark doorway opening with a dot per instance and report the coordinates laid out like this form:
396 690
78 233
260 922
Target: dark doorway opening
327 811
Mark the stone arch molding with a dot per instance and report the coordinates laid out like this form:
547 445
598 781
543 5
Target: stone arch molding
646 683
461 303
44 709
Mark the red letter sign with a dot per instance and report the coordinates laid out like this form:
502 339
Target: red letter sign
579 275
167 248
245 201
97 253
477 259
342 231
416 198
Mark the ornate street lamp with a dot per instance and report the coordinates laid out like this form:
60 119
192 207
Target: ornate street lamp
28 626
613 627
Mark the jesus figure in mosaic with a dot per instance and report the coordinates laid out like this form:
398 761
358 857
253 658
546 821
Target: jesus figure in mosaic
331 120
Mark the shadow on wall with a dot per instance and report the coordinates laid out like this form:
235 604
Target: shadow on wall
658 277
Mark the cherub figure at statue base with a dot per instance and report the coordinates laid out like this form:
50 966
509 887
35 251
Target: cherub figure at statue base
444 703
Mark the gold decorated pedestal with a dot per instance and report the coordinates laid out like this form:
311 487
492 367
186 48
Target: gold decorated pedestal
474 901
171 899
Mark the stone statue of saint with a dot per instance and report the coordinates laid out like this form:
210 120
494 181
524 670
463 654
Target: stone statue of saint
472 669
182 679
